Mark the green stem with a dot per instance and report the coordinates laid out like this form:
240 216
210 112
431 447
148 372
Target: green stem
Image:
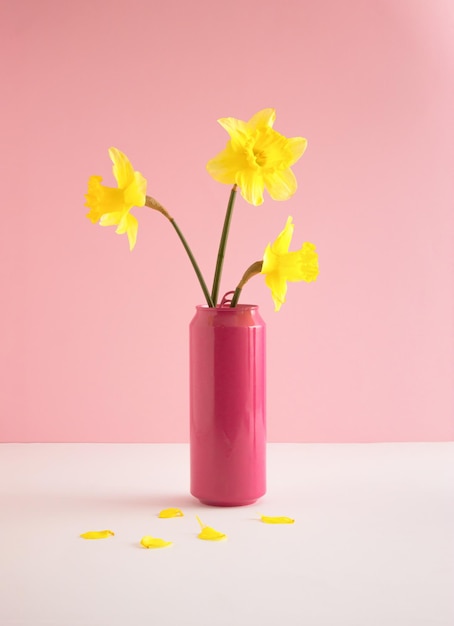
206 293
222 246
236 297
154 204
251 271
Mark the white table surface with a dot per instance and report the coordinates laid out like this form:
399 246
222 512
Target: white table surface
372 545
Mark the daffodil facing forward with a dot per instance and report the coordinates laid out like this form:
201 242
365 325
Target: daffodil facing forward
110 206
281 266
257 157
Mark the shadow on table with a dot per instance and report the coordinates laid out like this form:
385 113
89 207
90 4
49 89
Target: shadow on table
55 501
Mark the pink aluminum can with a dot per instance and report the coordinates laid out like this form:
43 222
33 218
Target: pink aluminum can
227 405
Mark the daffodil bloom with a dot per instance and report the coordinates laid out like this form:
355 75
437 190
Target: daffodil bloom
257 157
279 265
110 206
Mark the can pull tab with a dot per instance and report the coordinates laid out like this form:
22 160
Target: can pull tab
226 299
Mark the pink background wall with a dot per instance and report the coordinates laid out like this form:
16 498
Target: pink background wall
94 339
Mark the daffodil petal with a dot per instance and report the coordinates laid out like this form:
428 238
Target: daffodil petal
122 168
209 534
282 242
266 519
234 127
280 184
153 543
129 225
172 512
295 148
135 192
224 167
133 226
278 288
112 219
251 185
97 534
264 118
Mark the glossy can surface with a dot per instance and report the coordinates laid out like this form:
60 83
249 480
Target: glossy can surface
227 405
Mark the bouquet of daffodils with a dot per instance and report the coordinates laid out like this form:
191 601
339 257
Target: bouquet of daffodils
256 158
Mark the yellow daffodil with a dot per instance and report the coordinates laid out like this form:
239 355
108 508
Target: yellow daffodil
110 206
280 265
257 158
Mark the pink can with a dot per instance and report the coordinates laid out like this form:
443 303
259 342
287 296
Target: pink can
227 405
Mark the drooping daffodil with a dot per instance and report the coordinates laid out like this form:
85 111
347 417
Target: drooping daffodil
280 265
257 157
110 206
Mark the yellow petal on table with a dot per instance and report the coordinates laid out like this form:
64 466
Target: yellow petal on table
97 534
209 534
166 513
266 519
153 542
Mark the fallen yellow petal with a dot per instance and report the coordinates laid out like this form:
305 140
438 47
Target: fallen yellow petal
170 513
97 534
209 534
154 542
266 519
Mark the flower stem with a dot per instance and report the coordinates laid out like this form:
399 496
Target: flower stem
222 246
236 297
251 271
154 204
